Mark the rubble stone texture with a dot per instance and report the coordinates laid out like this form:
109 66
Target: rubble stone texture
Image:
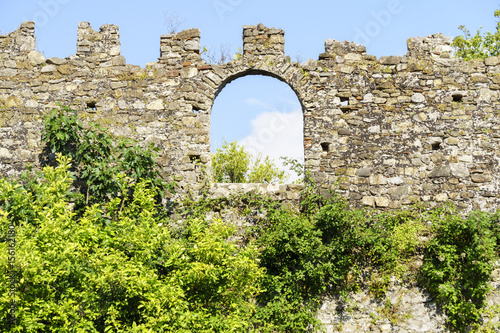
390 131
385 133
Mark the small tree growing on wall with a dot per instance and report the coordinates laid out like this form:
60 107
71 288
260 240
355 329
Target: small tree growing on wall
105 167
478 46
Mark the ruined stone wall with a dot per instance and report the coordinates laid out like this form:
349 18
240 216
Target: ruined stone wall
391 131
423 127
406 308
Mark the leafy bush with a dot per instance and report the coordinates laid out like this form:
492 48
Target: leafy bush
99 159
292 254
478 46
458 265
118 268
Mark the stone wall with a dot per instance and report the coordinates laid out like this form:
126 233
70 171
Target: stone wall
404 309
405 306
389 131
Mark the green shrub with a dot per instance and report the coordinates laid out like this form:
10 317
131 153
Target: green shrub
480 45
118 268
105 167
458 265
292 254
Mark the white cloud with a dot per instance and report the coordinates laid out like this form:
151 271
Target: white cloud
277 134
255 101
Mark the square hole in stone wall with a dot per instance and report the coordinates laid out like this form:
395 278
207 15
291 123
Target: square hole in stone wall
325 146
457 97
194 158
91 105
436 146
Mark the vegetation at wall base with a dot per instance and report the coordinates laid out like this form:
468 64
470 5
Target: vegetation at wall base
123 264
118 268
458 264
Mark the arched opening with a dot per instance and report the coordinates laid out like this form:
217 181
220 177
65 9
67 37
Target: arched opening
264 115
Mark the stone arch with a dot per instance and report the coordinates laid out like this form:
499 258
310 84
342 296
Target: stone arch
254 71
279 68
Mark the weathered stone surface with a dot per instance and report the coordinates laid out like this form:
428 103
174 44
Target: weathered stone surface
368 201
382 202
440 171
459 170
188 72
155 105
479 178
390 60
56 61
36 58
344 131
48 69
400 190
364 172
418 98
491 61
418 127
378 179
5 153
441 197
119 61
416 310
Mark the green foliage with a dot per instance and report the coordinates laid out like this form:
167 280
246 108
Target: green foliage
118 263
323 250
391 311
265 171
331 248
121 266
292 254
220 279
105 167
478 46
238 55
232 164
295 166
458 265
121 274
62 131
390 242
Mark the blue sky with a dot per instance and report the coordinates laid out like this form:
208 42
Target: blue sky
244 106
